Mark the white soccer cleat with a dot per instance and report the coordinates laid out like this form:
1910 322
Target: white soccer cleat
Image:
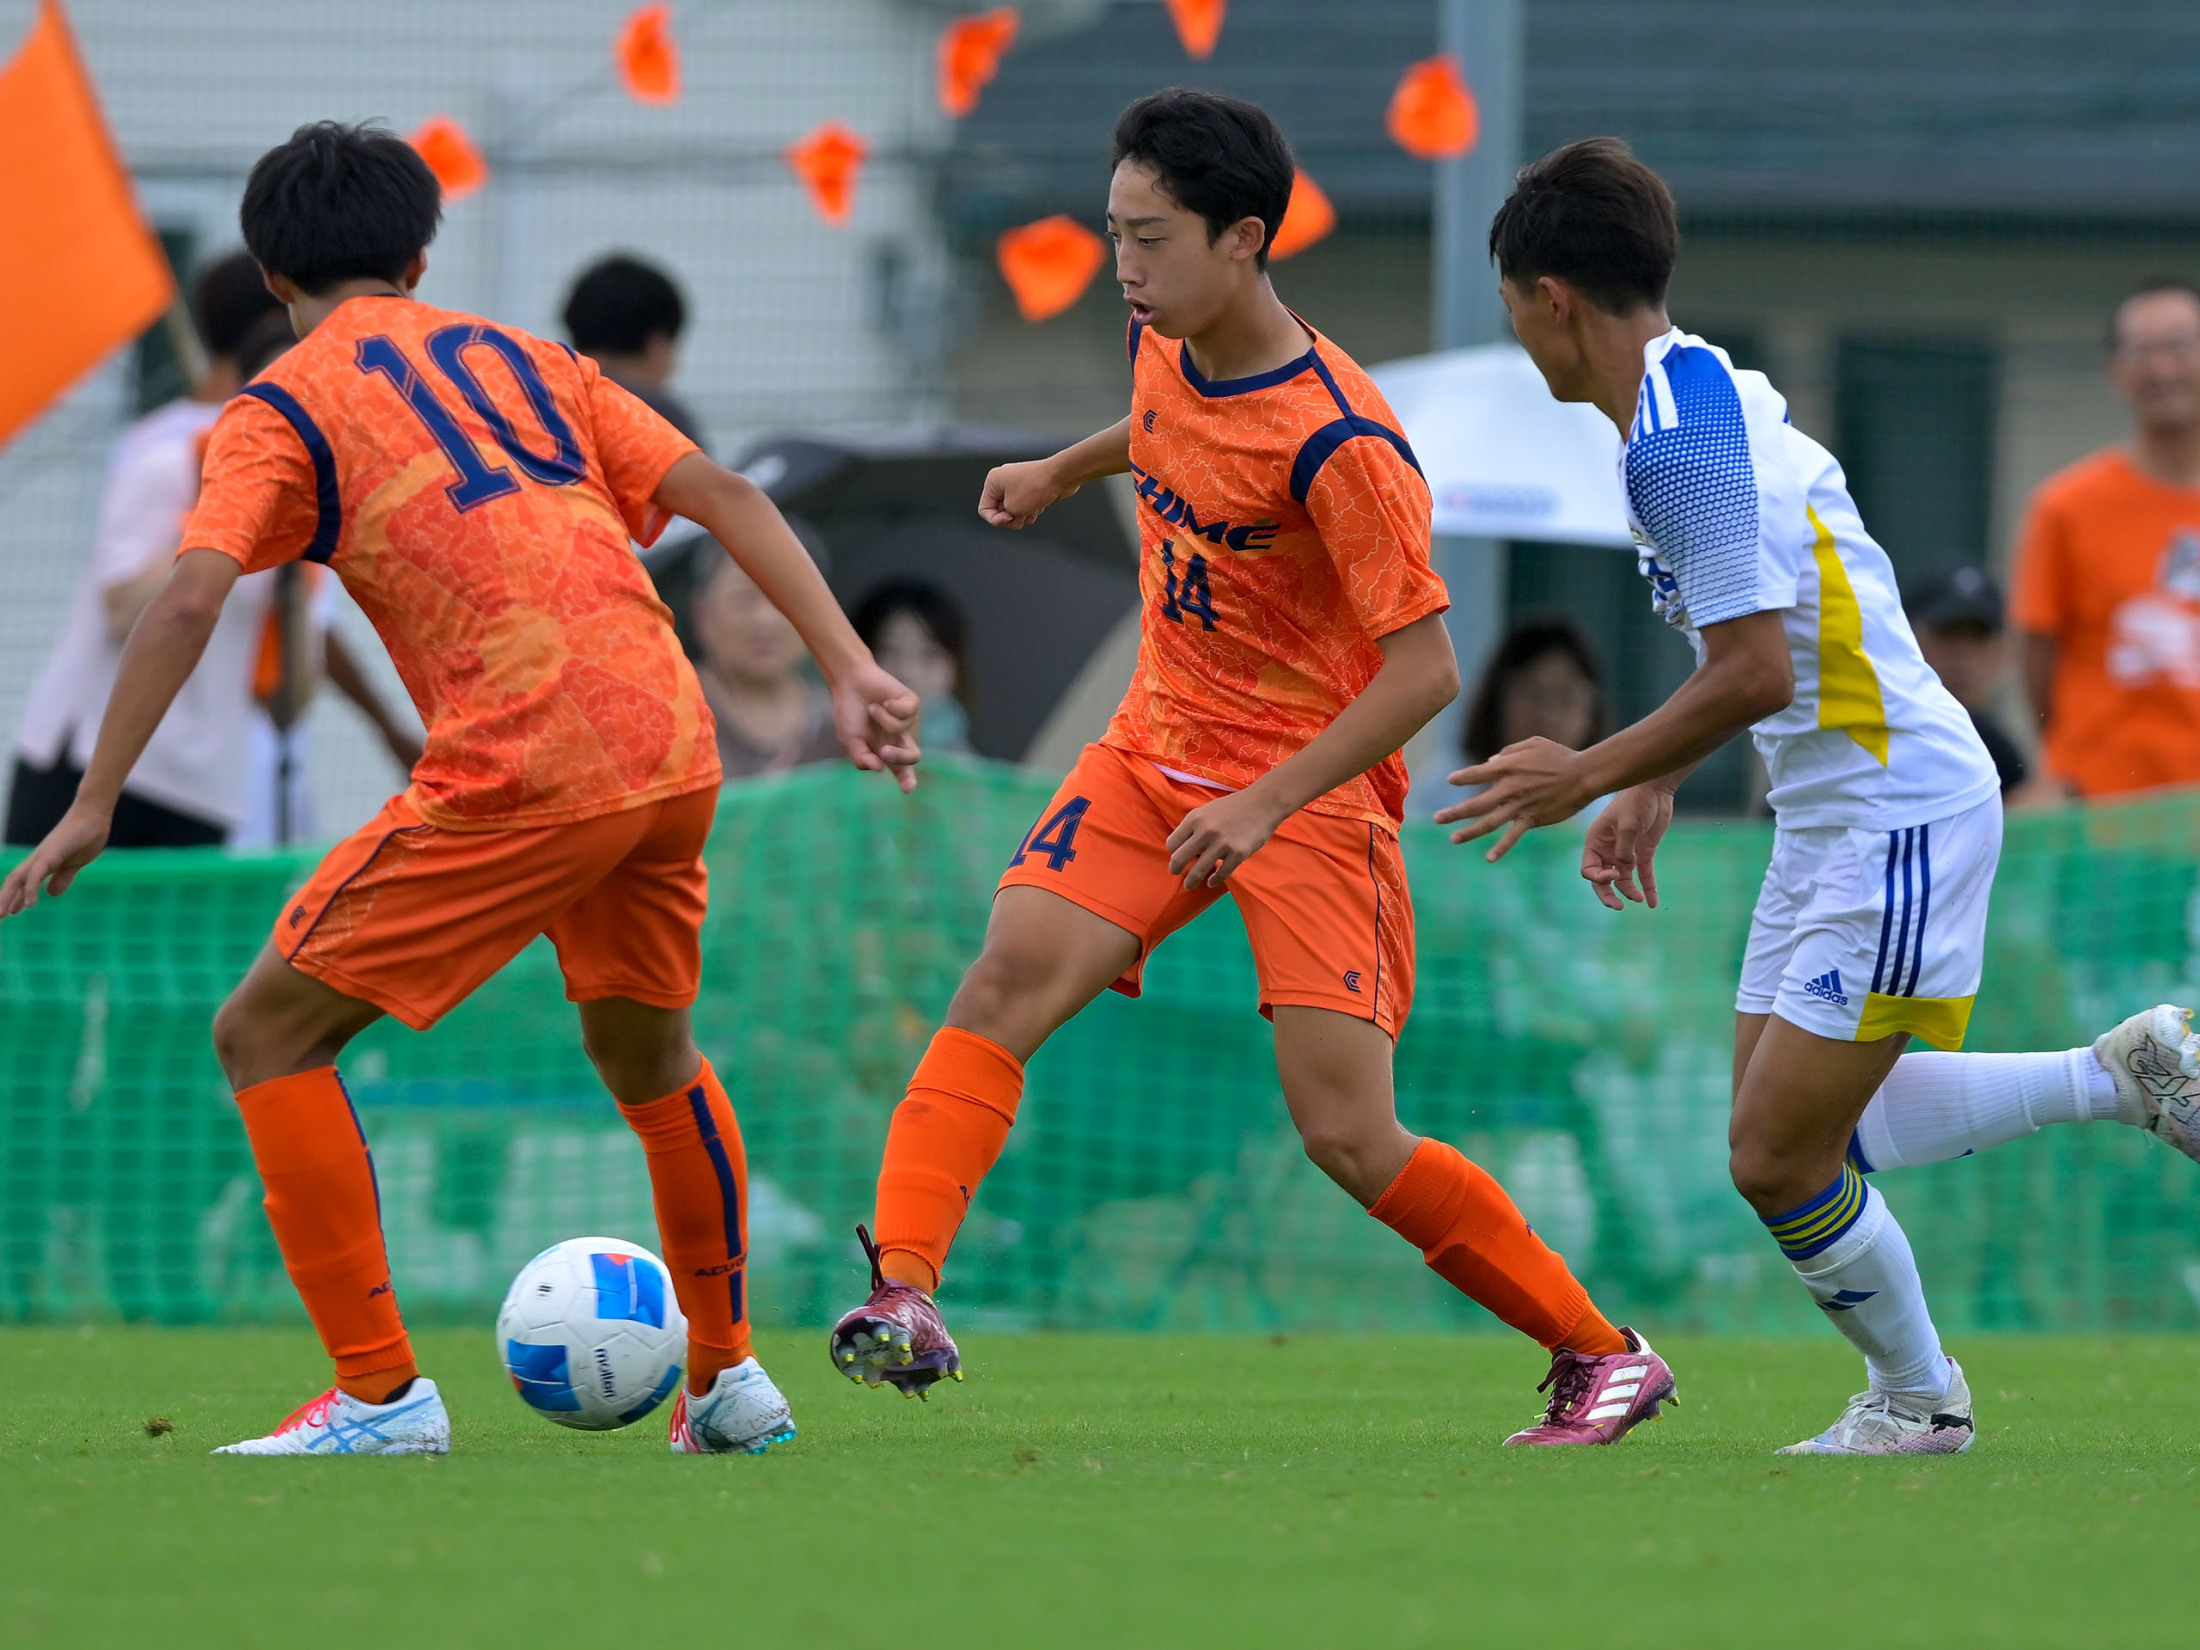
2154 1059
1888 1423
336 1423
742 1413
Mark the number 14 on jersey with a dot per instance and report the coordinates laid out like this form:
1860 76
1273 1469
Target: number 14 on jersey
1189 594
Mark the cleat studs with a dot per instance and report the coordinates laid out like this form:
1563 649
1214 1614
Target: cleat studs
955 1374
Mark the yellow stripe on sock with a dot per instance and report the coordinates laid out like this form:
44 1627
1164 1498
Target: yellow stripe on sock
1831 1218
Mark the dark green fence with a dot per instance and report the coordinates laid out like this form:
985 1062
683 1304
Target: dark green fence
1153 1180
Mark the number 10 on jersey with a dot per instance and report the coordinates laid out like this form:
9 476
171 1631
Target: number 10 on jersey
479 481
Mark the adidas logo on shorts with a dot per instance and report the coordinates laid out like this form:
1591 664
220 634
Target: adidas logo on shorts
1827 988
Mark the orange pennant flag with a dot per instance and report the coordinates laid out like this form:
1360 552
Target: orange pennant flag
451 156
1048 264
86 273
1307 218
1198 24
648 56
827 162
970 56
1432 114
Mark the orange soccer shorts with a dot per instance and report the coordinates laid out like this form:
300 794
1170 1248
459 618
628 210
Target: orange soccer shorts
1324 900
413 917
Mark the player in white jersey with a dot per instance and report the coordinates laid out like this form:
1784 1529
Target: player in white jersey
1870 925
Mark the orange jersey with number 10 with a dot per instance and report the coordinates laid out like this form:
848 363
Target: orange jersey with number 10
476 490
1283 531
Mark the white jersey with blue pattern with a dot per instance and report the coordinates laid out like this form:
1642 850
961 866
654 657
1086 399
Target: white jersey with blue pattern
1735 511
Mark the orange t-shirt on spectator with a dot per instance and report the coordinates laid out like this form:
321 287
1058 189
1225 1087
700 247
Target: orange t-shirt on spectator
2109 565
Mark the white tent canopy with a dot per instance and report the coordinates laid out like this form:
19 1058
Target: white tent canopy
1502 458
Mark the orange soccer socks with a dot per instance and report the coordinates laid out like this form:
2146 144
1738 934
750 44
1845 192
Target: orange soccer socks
699 1180
1474 1237
946 1134
322 1202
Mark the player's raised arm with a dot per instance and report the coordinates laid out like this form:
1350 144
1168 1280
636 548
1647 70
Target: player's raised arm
1014 494
875 716
162 651
1419 677
1747 674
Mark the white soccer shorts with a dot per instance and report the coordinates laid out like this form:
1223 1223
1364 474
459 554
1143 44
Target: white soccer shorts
1860 934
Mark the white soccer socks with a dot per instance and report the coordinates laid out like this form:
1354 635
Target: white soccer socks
1849 1250
1934 1107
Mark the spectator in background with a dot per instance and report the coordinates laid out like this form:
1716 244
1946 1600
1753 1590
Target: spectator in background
299 644
627 316
1542 682
916 633
2108 571
188 788
1958 619
771 714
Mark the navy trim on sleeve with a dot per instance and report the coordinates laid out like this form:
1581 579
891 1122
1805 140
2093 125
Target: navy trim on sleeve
1319 447
329 515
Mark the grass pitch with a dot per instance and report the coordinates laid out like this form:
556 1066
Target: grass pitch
1088 1490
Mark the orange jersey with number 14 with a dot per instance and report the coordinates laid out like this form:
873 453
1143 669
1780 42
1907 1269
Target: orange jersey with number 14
1283 531
476 489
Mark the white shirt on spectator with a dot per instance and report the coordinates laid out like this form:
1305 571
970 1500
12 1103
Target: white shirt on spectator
196 762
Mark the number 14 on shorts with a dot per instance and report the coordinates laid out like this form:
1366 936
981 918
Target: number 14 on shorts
1056 835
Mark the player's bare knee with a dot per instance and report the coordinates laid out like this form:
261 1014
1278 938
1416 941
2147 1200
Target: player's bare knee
1770 1180
233 1037
638 1069
1003 988
1354 1156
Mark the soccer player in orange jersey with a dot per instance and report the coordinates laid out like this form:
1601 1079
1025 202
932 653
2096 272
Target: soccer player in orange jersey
475 489
1292 642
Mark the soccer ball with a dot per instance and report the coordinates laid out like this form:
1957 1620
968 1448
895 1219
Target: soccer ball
591 1335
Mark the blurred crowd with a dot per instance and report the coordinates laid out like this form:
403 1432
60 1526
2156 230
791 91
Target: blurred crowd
2084 684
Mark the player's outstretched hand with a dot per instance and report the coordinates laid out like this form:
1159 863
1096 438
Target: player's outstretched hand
1535 782
1214 840
70 846
1015 493
1621 843
876 718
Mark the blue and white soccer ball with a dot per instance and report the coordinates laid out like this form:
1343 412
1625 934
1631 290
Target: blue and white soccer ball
591 1335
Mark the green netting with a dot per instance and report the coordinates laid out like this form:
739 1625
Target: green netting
1153 1180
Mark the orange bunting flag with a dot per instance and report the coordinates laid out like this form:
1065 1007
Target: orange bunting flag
648 56
87 273
827 162
1048 264
1307 218
1432 114
970 56
1198 24
451 156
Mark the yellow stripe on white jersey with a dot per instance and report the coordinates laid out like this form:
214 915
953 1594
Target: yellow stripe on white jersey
1848 687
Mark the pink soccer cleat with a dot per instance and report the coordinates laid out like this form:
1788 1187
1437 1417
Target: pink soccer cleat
896 1338
1600 1400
